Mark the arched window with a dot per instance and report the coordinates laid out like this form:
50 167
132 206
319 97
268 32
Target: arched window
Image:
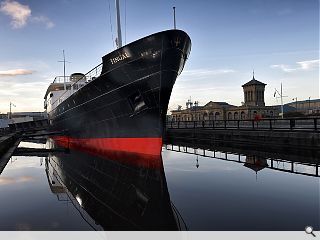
229 115
211 116
217 116
242 115
205 116
235 116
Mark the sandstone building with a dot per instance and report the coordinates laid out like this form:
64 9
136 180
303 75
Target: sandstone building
252 107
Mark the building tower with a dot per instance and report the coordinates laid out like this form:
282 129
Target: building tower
254 93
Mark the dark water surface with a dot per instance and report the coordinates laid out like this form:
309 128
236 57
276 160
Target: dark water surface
227 193
70 190
27 202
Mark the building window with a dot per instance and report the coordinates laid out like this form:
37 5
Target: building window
242 115
217 116
235 116
205 116
229 115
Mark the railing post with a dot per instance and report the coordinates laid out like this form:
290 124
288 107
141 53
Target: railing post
315 124
292 123
194 124
238 123
178 124
212 123
225 124
270 123
252 124
171 123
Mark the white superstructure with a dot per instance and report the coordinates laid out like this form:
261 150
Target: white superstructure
64 86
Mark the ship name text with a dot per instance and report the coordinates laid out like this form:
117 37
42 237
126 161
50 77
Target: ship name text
121 57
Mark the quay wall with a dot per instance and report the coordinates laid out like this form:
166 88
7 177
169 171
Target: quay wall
6 142
303 139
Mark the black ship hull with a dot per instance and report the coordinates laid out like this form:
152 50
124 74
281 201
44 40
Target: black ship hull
124 109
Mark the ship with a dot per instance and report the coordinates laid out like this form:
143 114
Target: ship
121 104
113 194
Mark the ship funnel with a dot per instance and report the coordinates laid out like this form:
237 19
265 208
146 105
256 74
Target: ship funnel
75 77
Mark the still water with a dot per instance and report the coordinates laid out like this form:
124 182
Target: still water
187 189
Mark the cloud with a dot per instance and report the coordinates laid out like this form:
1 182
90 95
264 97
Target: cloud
43 19
303 65
306 65
18 12
283 67
15 72
12 180
21 14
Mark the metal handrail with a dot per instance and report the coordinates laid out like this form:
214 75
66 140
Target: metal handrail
258 124
89 76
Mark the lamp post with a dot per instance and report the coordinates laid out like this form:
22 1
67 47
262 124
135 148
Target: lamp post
281 97
309 109
196 104
10 113
197 162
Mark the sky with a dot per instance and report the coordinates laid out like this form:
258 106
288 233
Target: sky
279 40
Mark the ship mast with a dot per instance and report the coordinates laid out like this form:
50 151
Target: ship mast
119 38
174 18
64 71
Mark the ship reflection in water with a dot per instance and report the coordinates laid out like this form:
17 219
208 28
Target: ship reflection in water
118 192
191 187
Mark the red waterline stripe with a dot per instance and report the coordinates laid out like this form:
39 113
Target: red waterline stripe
145 152
147 146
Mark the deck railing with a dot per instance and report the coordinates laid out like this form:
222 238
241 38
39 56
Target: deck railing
309 124
89 76
93 73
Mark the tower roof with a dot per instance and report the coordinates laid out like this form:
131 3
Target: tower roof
253 81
